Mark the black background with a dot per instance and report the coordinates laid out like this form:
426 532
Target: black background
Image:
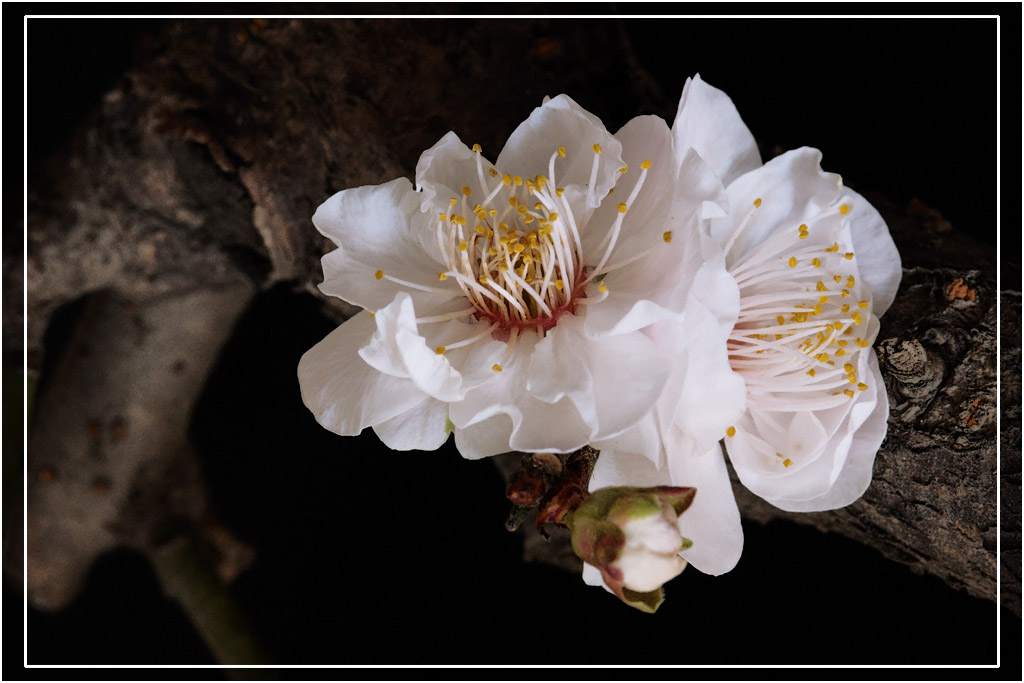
351 570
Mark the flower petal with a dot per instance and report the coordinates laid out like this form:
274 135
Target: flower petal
379 228
484 439
344 393
422 427
855 476
618 468
712 521
708 122
561 122
629 374
793 190
398 349
444 169
661 264
877 258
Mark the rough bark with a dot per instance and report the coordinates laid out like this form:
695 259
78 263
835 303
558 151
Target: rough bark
201 168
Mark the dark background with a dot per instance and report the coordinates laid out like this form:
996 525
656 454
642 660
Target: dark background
349 567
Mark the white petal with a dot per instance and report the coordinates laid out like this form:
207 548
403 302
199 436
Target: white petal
560 122
592 576
486 438
379 228
444 169
558 368
712 521
344 393
877 258
655 286
397 348
422 427
616 468
855 476
537 426
707 121
793 190
643 438
629 374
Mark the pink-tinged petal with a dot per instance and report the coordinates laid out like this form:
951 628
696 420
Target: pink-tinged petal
380 231
712 521
878 260
344 393
789 190
422 427
561 122
708 122
855 476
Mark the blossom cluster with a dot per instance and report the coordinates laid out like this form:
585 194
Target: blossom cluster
652 293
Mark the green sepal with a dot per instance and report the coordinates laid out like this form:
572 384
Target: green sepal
645 602
449 426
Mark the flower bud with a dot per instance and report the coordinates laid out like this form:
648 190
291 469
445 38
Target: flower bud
631 536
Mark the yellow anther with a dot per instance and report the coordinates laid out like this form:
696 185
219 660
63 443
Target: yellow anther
862 387
731 431
492 213
442 216
519 248
840 352
848 367
838 325
466 190
787 462
816 262
792 261
822 357
503 225
799 317
779 455
559 285
622 207
834 247
818 309
493 172
527 259
850 282
848 256
857 318
803 228
559 191
821 286
506 179
667 236
379 274
453 201
831 362
645 164
624 169
530 184
610 192
845 293
528 218
780 319
463 246
862 304
862 343
561 152
757 202
844 209
841 342
372 314
845 308
848 392
439 350
602 287
442 276
517 181
480 229
483 279
552 217
538 206
823 299
837 278
596 147
522 210
811 372
496 367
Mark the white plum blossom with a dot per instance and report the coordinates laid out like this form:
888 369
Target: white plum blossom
508 300
811 267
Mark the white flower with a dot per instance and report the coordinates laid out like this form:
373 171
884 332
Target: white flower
650 557
509 299
810 267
